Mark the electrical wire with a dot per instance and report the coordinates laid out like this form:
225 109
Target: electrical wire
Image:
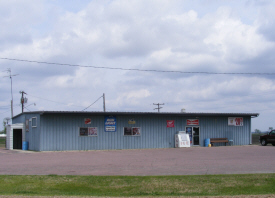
139 70
52 101
92 103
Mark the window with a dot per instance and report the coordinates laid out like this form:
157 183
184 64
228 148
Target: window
131 131
34 124
88 131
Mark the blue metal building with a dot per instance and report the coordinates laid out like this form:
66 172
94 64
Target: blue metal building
60 131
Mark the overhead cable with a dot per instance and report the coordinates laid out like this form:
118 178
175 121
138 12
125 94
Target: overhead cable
139 70
92 103
53 101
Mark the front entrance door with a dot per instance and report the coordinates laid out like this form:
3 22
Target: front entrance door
194 135
17 138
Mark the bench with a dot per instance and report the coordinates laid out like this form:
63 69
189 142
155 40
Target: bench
218 140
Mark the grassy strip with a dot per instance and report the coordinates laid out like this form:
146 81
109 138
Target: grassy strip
2 142
203 185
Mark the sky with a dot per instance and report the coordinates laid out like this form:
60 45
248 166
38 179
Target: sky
203 56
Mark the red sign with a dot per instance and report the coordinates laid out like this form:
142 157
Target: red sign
170 123
87 121
193 122
233 121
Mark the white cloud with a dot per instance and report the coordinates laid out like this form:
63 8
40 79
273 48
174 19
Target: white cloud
212 36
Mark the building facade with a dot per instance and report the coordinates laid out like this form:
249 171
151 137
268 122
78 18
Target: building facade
60 131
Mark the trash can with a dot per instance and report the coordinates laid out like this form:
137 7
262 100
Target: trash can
206 142
25 146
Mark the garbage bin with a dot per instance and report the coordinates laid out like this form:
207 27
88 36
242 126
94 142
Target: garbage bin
206 142
25 146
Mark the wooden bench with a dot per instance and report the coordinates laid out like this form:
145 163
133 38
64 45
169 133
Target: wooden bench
218 140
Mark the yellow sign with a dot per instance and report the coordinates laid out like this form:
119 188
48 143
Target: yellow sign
131 121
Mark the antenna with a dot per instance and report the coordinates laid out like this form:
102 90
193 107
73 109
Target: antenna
10 75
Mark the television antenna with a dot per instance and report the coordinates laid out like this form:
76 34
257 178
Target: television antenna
10 75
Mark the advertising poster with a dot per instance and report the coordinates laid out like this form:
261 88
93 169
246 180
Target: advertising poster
83 131
127 131
234 121
170 123
92 131
136 130
189 132
110 123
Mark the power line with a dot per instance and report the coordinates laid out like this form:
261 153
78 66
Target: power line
92 103
53 101
158 104
16 106
139 70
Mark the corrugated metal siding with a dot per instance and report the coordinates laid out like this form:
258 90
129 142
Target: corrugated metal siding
57 132
217 127
61 132
33 135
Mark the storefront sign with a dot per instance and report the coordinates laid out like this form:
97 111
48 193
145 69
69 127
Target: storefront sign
170 123
131 121
234 121
110 123
87 121
193 122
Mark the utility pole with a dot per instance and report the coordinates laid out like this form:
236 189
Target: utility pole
23 100
104 107
158 108
9 71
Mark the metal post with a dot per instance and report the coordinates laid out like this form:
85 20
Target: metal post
9 71
11 96
104 108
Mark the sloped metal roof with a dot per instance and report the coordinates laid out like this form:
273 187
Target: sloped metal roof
142 113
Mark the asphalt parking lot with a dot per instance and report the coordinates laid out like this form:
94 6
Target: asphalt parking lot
173 161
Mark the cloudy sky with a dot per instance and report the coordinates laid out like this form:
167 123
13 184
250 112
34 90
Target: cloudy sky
88 38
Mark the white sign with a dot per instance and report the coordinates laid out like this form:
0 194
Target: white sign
235 121
182 140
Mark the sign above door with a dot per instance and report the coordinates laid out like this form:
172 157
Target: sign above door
192 122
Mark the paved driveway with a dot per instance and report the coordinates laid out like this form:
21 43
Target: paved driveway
173 161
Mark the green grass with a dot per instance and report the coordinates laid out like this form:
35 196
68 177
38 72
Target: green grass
203 185
2 142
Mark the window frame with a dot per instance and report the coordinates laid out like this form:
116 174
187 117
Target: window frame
132 132
34 118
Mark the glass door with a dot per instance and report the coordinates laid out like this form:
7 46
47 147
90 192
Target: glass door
194 135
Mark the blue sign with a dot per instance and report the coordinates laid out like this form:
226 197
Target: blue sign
110 123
